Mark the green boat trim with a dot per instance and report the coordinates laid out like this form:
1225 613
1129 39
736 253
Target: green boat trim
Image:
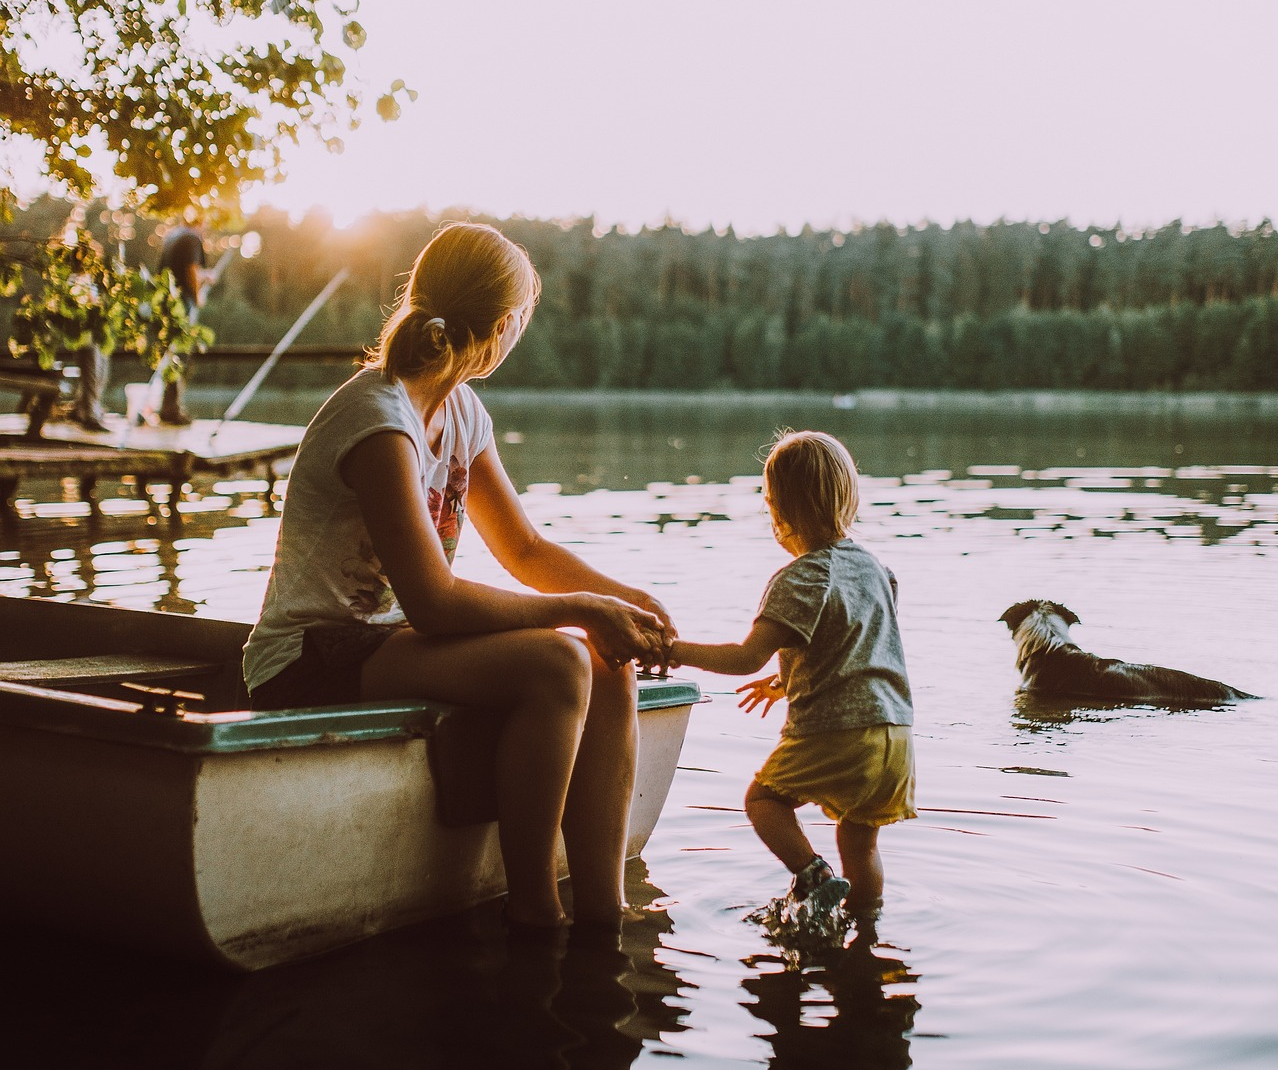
69 713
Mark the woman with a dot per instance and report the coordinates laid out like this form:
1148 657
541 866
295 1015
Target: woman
362 603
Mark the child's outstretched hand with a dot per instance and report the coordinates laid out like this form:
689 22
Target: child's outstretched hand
768 690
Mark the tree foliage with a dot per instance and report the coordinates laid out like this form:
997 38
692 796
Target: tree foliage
1008 305
188 99
87 299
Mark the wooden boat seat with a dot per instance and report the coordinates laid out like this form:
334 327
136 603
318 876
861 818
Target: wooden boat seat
105 669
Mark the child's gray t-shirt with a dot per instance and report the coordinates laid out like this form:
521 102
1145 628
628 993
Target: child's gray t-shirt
849 671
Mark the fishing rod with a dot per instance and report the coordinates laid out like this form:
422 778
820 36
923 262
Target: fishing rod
250 388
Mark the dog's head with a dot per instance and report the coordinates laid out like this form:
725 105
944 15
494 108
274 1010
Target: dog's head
1015 616
1038 626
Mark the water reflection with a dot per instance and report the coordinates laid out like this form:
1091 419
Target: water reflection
133 560
448 993
617 465
455 995
852 1006
1207 505
1040 713
214 563
1159 529
623 442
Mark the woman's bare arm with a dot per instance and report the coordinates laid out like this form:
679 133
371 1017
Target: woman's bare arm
493 506
383 472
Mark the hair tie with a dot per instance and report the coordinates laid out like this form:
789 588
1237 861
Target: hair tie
436 320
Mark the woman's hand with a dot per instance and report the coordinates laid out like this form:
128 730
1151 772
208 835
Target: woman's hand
622 632
668 634
644 600
768 690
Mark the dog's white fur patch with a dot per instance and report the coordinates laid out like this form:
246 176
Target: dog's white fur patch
1041 631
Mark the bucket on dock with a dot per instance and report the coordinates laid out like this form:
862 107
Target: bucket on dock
140 404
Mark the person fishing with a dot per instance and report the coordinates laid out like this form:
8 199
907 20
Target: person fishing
362 603
94 364
183 254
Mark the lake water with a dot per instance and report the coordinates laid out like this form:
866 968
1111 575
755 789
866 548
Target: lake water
1086 886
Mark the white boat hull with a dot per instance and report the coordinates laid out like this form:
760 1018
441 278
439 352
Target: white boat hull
247 839
254 857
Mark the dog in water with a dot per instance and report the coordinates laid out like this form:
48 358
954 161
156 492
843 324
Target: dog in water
1051 663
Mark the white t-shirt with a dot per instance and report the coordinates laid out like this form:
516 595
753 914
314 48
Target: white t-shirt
325 570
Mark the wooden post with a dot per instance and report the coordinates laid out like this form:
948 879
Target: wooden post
8 510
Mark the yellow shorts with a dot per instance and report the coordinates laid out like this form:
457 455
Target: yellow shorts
861 775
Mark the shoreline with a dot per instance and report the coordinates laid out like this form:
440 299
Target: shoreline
886 399
1027 402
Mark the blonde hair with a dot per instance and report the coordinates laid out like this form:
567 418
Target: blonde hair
811 483
464 283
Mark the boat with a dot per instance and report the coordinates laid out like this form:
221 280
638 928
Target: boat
143 804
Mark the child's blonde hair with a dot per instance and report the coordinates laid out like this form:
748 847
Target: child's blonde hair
812 487
466 280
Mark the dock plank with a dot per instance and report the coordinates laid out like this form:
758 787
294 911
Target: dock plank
151 454
32 382
208 441
39 391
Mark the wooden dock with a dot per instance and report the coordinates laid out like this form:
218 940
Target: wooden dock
39 391
159 455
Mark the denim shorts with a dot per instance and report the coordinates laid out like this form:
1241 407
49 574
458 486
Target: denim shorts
327 672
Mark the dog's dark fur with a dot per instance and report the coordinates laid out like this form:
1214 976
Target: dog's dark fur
1051 663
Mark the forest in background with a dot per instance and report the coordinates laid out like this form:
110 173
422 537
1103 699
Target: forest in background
1011 305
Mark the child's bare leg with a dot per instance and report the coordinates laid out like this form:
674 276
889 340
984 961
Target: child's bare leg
597 813
544 685
774 819
862 864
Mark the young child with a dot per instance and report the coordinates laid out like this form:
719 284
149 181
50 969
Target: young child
846 744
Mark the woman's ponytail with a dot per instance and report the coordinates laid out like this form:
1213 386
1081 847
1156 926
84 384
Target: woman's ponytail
410 343
464 283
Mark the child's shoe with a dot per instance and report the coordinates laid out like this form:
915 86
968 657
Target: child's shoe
817 885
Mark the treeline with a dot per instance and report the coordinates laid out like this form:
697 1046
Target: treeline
1009 305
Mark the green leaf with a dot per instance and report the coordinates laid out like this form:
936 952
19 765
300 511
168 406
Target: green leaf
354 35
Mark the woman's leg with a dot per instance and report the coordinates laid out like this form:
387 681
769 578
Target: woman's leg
862 864
774 819
542 679
597 815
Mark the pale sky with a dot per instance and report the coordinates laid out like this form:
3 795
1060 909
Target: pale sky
767 113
